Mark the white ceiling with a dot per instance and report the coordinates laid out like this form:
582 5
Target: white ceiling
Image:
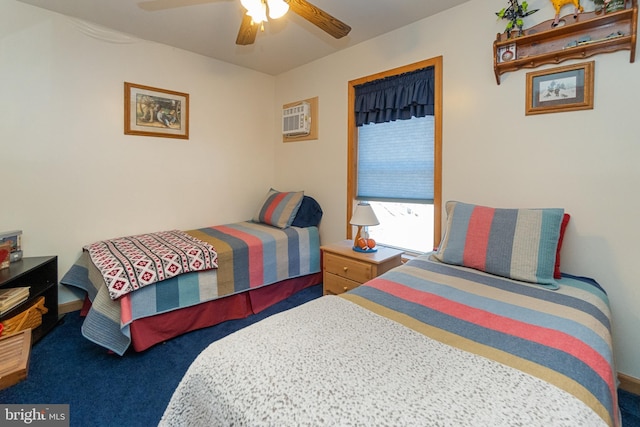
210 27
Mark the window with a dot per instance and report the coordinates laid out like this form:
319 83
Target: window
405 214
395 156
407 226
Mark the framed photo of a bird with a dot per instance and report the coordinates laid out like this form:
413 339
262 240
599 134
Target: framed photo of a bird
567 88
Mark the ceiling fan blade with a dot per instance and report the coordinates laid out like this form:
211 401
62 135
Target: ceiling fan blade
247 32
154 5
320 18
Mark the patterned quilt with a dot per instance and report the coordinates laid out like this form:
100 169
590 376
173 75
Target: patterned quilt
129 263
250 255
423 344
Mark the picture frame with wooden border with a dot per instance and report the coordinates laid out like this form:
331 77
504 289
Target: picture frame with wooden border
150 111
567 88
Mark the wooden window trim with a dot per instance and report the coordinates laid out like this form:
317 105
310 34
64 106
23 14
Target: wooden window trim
352 139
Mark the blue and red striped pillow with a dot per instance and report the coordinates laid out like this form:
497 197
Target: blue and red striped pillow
279 208
517 243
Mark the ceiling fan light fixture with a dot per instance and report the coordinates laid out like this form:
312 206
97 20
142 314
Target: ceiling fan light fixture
277 8
250 4
256 15
257 10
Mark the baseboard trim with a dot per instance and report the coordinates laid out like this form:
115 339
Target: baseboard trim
629 383
68 307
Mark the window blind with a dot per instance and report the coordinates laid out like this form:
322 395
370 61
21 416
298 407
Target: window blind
396 161
395 123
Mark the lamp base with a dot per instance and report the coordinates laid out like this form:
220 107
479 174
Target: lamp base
365 251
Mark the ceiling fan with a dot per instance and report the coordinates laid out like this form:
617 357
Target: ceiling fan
256 14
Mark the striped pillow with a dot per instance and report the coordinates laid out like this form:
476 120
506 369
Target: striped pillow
279 208
516 243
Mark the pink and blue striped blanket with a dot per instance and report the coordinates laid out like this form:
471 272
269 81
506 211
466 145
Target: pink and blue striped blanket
562 337
250 255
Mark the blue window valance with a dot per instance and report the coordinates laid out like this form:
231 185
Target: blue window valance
395 98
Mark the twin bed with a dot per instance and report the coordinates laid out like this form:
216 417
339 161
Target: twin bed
259 263
425 344
484 331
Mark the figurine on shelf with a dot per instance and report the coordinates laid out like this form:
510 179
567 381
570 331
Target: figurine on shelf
609 5
515 13
558 4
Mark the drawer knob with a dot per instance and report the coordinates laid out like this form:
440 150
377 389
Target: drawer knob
345 268
346 289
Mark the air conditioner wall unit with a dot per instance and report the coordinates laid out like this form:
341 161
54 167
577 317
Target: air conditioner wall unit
296 120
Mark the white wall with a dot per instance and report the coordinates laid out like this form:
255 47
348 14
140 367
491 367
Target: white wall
70 176
582 161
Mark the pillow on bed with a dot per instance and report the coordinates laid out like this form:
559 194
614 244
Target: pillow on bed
309 214
519 244
279 208
563 227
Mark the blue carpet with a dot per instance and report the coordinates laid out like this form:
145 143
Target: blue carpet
108 390
630 408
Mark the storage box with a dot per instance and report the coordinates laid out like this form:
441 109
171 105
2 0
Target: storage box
14 358
14 239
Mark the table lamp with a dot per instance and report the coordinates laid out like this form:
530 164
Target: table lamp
363 216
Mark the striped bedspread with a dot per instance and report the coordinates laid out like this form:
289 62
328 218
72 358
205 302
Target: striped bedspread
562 337
424 344
250 255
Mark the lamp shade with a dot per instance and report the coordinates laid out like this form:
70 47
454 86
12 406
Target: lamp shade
364 215
256 9
277 8
259 14
251 4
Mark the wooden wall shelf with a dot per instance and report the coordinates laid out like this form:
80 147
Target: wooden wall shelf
589 34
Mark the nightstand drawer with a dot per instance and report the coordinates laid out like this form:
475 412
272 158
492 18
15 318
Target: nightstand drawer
348 268
336 285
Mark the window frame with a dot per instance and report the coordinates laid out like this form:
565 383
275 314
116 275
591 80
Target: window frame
352 140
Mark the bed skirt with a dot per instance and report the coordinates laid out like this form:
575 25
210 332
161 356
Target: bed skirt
149 331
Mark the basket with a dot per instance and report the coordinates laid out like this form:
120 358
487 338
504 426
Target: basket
31 318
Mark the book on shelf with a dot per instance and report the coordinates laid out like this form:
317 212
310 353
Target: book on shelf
10 297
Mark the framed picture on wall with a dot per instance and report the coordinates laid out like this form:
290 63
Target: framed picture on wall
567 88
149 111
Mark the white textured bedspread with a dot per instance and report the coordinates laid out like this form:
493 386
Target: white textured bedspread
332 362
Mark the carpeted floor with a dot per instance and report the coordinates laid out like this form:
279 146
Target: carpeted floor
108 390
630 408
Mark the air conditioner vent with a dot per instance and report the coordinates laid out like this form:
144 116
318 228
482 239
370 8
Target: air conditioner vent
296 120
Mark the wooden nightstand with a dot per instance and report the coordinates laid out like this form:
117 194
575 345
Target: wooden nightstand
345 269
